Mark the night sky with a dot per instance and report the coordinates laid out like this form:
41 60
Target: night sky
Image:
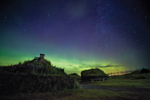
112 35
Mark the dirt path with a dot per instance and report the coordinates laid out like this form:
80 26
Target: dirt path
98 87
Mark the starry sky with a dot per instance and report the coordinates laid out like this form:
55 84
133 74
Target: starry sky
113 35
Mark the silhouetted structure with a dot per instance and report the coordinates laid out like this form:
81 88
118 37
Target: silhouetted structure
145 70
42 55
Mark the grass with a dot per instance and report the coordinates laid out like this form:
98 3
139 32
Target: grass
95 95
72 94
126 81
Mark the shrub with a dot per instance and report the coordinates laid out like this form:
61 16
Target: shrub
21 83
145 70
75 75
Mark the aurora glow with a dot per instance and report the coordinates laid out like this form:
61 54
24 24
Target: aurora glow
112 35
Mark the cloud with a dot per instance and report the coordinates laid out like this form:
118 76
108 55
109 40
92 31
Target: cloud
110 65
73 67
70 65
98 66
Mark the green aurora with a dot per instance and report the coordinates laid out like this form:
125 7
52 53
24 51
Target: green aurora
76 34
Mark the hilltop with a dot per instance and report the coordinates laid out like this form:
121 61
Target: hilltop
93 73
38 65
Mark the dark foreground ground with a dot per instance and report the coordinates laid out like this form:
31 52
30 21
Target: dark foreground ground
89 92
130 87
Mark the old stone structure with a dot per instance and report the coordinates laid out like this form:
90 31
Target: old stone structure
42 55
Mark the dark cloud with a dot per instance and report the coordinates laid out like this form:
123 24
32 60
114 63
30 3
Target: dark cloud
109 66
98 66
70 65
74 67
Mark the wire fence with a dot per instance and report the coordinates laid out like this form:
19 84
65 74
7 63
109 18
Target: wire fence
123 72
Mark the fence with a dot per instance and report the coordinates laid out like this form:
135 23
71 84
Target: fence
122 72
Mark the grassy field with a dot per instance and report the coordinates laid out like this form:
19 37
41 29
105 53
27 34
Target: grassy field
127 81
135 80
95 95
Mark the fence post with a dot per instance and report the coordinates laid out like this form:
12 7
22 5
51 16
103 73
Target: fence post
121 72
